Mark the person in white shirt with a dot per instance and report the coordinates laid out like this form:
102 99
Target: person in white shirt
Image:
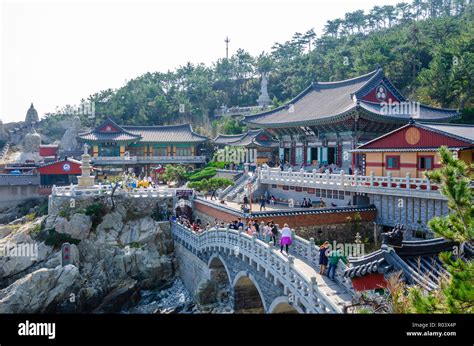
286 239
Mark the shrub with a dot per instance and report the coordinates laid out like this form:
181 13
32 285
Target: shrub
96 211
205 173
55 239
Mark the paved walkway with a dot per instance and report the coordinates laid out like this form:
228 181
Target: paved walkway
332 289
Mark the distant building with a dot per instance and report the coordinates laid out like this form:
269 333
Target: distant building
140 149
265 148
62 172
413 148
327 119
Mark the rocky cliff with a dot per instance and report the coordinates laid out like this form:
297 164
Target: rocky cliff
113 256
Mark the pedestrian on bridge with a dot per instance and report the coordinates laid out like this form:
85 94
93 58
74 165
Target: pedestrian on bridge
274 235
286 238
334 258
323 257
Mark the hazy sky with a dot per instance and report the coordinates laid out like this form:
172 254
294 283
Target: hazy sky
54 53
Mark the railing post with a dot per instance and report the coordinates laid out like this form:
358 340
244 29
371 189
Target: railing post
314 176
389 179
356 174
407 184
291 263
372 178
342 177
311 246
428 185
302 175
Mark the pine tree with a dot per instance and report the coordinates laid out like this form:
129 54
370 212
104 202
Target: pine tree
456 293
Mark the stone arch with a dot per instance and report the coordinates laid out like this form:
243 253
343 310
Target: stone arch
248 297
281 305
218 270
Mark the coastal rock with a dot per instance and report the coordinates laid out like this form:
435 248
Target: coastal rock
78 226
206 292
40 291
125 292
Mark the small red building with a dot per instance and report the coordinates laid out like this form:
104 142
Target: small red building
49 151
62 172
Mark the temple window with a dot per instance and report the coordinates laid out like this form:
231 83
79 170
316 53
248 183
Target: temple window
393 162
425 162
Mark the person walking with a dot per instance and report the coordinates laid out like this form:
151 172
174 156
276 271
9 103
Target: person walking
334 258
286 238
262 204
274 235
323 257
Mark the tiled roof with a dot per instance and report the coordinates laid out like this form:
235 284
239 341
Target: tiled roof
418 260
245 139
322 101
112 136
62 160
147 134
318 101
166 134
461 131
426 113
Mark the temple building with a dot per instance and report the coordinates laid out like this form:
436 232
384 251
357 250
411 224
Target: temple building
259 144
413 149
326 120
140 149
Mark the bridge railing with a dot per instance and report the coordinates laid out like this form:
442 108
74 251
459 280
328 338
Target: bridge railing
104 190
313 179
305 289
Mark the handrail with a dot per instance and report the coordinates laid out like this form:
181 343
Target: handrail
342 180
304 288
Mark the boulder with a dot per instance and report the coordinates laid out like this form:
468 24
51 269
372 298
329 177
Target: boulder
41 291
123 293
206 293
78 226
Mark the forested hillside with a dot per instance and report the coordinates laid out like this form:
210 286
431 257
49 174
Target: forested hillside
425 47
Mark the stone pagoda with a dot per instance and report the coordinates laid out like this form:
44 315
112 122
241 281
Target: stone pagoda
86 179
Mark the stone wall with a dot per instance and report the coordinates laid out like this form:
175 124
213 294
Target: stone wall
191 268
136 207
13 194
208 213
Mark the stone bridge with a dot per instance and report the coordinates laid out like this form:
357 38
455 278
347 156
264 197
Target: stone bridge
262 278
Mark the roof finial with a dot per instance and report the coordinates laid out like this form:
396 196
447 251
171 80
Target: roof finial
32 105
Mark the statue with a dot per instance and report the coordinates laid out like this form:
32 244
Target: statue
394 238
69 141
31 146
264 100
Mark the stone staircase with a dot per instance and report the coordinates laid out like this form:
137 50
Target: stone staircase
240 187
230 192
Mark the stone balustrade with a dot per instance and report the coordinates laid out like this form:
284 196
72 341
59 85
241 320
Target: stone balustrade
356 183
304 289
148 159
104 190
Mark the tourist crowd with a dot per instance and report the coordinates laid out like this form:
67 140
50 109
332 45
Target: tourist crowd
270 232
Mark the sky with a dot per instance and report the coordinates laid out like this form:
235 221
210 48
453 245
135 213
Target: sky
55 53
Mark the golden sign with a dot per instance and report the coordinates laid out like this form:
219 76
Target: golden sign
412 136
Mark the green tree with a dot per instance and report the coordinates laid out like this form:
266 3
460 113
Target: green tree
456 293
